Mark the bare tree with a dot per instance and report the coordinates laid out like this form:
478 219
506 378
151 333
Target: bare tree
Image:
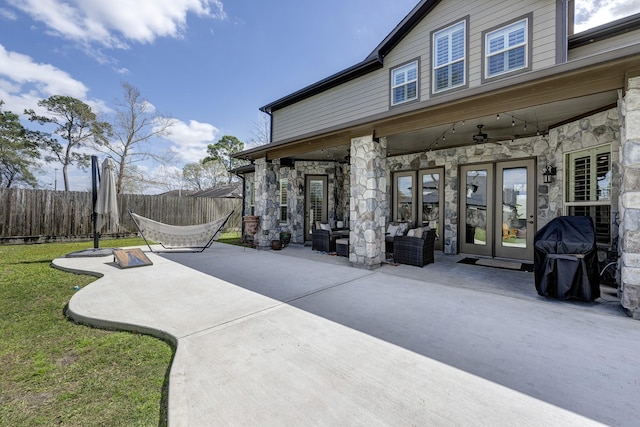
261 130
135 123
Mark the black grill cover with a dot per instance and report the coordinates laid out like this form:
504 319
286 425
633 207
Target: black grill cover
566 259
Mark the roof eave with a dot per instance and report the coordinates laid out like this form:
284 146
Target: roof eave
372 62
611 29
334 80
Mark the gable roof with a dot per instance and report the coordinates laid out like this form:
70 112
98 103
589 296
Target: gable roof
372 62
230 191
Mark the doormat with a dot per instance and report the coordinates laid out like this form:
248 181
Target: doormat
498 263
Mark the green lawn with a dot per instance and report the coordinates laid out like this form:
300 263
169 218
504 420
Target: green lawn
55 372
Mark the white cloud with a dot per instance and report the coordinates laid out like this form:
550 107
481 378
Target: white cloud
45 78
190 140
8 14
114 23
24 82
593 13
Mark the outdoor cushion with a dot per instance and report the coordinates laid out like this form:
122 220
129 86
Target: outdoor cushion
415 232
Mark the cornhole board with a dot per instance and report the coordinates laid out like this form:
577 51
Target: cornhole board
128 258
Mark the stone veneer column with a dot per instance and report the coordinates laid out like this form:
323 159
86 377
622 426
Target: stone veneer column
368 201
266 203
629 230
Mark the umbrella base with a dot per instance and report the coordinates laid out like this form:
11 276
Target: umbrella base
91 253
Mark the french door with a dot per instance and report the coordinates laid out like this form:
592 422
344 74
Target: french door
418 199
497 209
315 202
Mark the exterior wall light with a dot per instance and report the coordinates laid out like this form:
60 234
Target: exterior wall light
548 174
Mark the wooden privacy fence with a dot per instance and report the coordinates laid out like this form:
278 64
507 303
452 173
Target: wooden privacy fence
45 215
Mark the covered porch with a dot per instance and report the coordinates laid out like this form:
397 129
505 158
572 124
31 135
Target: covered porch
355 173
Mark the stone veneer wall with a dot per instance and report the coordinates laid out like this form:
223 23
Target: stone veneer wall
368 202
598 129
296 204
629 231
267 204
452 158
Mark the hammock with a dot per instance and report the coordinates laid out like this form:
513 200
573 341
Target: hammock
193 238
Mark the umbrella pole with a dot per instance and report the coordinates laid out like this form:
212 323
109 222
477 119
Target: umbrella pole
94 188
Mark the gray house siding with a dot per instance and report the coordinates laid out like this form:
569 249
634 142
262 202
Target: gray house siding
369 95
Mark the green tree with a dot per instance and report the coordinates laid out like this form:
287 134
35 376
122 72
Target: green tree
135 123
75 124
19 151
222 151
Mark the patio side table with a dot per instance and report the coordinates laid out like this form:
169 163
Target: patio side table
342 247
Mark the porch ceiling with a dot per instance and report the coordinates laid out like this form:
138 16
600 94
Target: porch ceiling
460 131
557 96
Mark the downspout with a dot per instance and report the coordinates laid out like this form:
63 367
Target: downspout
244 196
564 13
268 112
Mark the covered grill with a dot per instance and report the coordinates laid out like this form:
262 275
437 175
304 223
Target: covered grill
566 259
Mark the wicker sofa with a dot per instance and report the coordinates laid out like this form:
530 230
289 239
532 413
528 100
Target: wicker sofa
414 250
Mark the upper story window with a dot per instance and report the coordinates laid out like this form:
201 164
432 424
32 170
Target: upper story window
404 83
506 49
449 57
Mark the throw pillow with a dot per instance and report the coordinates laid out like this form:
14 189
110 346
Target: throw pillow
392 230
402 229
325 227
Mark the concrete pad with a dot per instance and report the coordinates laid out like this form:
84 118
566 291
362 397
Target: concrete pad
289 367
271 339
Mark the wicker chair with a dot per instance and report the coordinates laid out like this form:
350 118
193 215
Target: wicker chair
414 250
323 240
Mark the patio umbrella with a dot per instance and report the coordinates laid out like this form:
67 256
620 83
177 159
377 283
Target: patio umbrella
106 208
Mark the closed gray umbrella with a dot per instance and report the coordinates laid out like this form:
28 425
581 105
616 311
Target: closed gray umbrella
107 203
105 207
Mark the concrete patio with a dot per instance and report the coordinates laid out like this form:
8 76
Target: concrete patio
295 337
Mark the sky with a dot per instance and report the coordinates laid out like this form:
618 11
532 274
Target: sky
210 64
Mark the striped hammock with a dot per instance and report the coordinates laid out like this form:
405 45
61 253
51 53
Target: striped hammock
199 236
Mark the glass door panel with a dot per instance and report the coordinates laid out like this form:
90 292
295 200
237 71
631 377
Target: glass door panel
315 202
404 197
430 202
515 207
476 207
